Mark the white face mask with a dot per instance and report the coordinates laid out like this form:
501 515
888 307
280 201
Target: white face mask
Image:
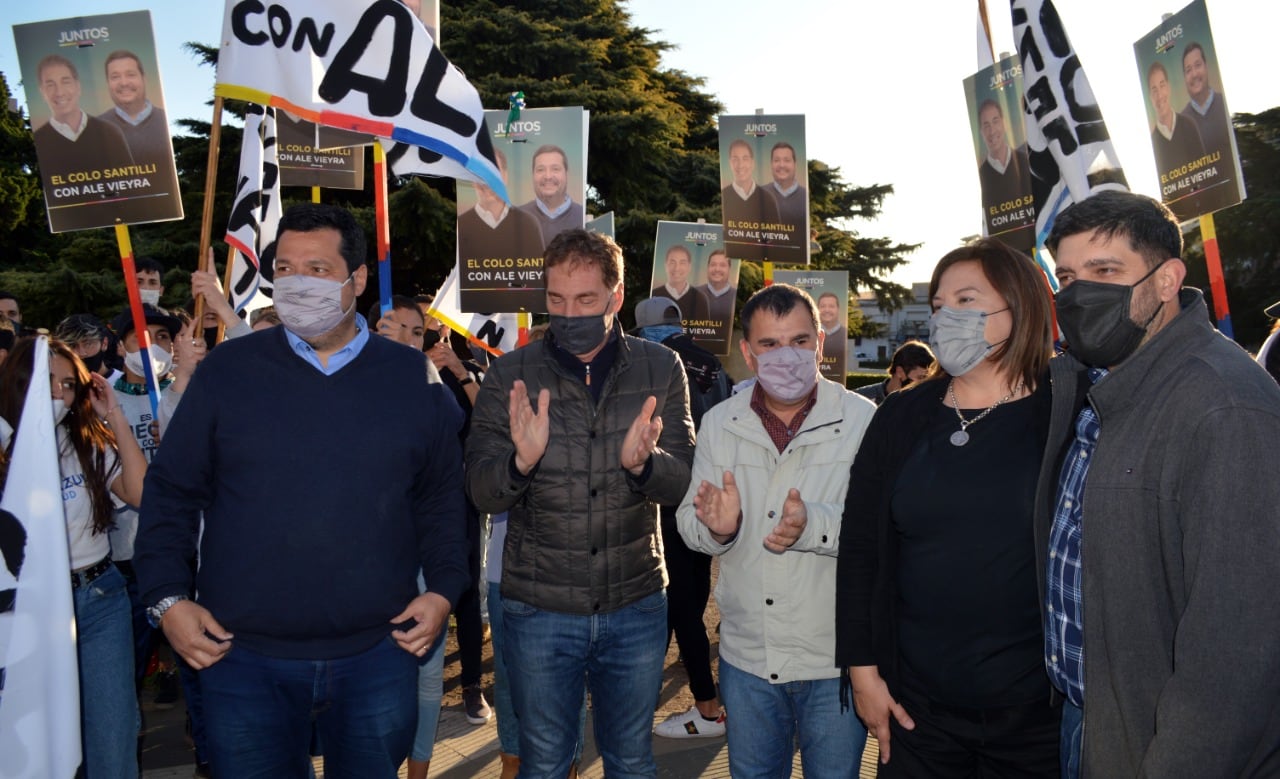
161 361
150 297
787 373
309 306
59 411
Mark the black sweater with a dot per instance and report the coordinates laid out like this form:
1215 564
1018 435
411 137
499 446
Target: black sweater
321 496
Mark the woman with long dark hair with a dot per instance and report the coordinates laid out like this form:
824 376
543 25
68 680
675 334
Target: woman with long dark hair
97 468
937 618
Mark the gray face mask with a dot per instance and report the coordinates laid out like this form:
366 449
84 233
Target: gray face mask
580 334
957 338
308 306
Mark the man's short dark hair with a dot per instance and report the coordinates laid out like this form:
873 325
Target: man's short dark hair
79 327
550 148
831 295
54 60
8 296
150 265
678 247
579 247
1150 226
779 300
1194 46
783 145
718 253
309 217
123 54
402 302
910 356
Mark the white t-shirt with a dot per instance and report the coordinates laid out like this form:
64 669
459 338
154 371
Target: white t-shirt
86 547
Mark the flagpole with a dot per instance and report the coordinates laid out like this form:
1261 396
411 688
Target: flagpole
226 286
315 194
1217 282
522 328
382 227
206 216
125 247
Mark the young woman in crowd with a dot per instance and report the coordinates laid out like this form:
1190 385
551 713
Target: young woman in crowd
99 470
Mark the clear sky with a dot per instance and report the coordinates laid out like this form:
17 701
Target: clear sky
879 83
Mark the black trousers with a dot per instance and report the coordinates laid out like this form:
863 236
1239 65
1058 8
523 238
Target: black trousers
982 743
467 610
689 575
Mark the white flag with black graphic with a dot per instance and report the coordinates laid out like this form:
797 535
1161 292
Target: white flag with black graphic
495 333
39 682
1068 144
255 214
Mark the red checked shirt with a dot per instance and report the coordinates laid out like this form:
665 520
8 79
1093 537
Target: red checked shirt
779 431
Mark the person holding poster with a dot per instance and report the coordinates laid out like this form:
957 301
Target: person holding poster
691 300
746 206
791 197
72 142
721 295
1175 143
1206 108
552 206
1005 173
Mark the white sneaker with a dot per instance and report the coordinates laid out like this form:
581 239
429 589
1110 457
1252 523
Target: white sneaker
691 724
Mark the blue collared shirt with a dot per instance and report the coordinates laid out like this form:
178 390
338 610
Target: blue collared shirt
339 359
1064 593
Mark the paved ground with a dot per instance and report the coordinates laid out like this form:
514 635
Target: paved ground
464 751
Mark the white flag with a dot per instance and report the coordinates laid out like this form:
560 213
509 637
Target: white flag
495 333
365 66
256 212
40 695
1067 142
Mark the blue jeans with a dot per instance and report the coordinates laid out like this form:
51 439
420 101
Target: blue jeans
551 657
763 719
1072 731
108 700
430 691
260 712
508 725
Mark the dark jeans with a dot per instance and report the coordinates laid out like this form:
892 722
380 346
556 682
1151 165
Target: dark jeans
260 712
689 573
983 743
467 610
143 633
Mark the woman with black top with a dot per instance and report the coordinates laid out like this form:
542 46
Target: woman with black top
937 613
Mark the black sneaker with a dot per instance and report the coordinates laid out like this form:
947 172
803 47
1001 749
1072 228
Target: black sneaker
478 711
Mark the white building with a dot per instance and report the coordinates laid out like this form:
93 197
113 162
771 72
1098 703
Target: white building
905 324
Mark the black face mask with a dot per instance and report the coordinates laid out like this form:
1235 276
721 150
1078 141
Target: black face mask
94 363
429 339
1095 322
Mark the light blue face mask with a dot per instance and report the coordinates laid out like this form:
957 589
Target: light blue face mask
958 338
660 333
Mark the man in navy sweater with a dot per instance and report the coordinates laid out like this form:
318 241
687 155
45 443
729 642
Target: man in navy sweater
325 468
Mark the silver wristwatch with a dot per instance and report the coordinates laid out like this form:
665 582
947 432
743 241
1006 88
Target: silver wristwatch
156 613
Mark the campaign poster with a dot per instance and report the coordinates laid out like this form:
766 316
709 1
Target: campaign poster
692 267
994 97
764 179
304 164
830 290
1191 133
102 138
542 157
602 224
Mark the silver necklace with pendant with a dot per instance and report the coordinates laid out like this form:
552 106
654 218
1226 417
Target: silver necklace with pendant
961 436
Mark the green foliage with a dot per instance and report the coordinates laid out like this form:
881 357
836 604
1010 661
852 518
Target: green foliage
653 150
1247 239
